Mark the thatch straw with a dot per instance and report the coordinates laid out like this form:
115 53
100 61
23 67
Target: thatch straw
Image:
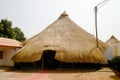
112 40
71 43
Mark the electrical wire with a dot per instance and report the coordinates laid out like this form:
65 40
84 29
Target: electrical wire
113 25
101 3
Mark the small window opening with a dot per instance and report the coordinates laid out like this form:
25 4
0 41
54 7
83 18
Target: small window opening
1 54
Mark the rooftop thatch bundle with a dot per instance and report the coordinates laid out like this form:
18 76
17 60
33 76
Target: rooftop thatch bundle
112 40
71 43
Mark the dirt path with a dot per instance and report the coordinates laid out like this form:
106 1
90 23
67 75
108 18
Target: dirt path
102 74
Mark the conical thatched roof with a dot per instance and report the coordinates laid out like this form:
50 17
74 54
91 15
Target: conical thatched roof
112 40
71 43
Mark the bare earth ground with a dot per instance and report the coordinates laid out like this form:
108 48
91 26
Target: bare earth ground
59 74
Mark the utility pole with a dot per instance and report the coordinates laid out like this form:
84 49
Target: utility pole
96 9
96 26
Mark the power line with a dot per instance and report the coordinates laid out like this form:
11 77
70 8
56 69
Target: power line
113 25
102 3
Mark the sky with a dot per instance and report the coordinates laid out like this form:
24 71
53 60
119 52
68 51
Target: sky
33 16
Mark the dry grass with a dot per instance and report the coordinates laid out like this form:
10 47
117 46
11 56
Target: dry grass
70 41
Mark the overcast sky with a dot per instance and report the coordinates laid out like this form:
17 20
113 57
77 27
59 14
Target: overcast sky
32 16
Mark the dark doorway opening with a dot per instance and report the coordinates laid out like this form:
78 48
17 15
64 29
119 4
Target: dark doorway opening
48 60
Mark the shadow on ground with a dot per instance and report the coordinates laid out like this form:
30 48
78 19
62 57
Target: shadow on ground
115 77
58 70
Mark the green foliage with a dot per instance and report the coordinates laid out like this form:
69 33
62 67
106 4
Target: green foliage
115 63
18 34
5 28
7 31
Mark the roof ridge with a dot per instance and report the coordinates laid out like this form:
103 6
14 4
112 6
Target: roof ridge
64 14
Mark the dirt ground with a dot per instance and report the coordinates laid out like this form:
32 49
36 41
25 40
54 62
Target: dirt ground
59 74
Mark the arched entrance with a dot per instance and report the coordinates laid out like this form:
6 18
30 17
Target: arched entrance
48 60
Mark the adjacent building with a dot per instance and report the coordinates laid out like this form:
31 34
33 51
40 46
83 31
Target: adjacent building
8 48
114 48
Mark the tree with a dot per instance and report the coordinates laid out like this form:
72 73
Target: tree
7 31
18 34
5 28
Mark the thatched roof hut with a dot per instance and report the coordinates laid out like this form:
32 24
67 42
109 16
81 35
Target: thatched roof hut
70 42
112 40
114 49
